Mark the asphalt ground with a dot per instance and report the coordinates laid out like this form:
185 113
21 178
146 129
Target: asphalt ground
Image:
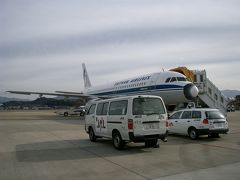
40 145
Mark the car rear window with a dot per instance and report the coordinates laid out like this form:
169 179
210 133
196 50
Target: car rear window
214 115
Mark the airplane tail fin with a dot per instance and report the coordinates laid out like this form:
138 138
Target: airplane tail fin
87 83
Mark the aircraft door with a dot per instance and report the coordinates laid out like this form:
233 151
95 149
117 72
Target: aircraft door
154 80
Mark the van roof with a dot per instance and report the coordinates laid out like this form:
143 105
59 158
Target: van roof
122 97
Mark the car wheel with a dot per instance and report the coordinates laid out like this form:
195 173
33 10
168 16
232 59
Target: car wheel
193 133
118 143
92 136
65 114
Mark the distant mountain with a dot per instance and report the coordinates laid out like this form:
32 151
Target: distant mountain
231 93
43 101
5 99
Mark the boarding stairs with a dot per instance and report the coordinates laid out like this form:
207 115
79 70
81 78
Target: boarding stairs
209 95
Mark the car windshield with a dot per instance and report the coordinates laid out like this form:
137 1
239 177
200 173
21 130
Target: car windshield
147 106
214 115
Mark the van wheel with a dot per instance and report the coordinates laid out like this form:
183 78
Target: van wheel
81 113
215 135
151 143
118 143
193 133
65 114
92 136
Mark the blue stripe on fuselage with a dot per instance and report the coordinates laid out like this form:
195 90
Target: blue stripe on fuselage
141 89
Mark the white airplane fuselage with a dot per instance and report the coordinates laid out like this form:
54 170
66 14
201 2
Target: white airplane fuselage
171 86
176 90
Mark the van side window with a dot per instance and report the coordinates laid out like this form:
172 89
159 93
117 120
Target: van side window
102 108
196 114
99 109
105 108
91 109
118 107
187 115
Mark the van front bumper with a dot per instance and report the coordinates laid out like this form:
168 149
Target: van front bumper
144 138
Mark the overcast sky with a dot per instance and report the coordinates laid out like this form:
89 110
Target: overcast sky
43 43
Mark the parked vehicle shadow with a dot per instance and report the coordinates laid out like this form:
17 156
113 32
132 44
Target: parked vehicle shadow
72 150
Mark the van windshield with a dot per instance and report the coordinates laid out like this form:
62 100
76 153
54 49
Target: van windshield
147 106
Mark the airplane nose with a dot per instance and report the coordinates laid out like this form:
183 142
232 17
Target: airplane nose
190 91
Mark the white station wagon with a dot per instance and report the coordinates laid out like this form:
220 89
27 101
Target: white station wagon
199 121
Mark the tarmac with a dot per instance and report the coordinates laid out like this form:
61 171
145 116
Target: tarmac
40 145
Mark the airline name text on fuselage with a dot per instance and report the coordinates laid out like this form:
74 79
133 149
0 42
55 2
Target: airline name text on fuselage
133 80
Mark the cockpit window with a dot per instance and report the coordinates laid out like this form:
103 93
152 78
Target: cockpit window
173 79
181 79
168 79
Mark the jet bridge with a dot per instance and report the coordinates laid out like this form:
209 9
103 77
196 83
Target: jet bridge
209 95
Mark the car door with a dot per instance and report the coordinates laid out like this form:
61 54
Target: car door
185 122
196 120
174 122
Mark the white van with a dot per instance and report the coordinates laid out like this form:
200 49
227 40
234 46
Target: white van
130 118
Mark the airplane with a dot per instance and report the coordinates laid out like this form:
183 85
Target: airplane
173 87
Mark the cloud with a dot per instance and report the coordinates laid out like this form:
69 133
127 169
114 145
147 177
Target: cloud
73 43
42 44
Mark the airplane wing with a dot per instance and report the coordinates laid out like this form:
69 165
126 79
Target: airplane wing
57 93
63 94
68 92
